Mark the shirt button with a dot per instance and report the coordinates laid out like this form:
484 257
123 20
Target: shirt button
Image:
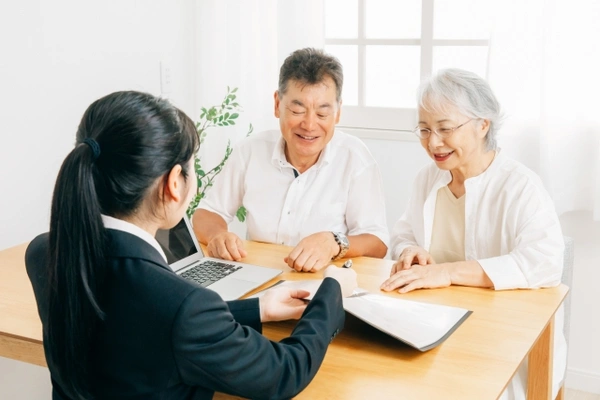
289 212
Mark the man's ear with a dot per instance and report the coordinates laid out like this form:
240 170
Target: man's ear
174 188
277 101
339 112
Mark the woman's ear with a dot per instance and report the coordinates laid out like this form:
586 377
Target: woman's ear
484 127
174 189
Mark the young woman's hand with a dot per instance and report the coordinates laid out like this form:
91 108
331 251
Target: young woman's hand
346 277
280 303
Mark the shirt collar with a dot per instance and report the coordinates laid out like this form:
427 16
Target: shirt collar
124 226
278 158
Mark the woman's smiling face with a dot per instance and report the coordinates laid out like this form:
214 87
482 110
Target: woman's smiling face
466 143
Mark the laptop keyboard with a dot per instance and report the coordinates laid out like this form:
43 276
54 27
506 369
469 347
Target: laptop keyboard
208 272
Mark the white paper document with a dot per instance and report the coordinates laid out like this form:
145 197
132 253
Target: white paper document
420 325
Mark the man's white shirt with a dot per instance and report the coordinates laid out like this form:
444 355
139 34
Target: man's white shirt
342 192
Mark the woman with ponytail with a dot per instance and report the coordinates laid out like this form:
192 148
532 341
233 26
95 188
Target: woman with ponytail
118 323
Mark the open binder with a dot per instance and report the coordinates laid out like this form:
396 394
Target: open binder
419 325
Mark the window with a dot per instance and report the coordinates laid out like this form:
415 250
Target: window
388 46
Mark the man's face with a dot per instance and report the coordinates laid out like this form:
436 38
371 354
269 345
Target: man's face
307 118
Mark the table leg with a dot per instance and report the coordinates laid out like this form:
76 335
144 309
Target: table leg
539 382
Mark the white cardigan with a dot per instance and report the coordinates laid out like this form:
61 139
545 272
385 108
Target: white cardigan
511 229
511 226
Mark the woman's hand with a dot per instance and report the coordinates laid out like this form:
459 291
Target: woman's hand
410 256
419 277
346 277
280 303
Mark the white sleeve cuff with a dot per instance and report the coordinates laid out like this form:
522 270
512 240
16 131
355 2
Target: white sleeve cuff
504 273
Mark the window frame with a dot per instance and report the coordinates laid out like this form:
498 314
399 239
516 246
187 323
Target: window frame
363 119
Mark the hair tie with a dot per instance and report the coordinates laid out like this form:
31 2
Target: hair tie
95 147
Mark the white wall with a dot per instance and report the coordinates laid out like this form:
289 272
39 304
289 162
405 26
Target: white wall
56 57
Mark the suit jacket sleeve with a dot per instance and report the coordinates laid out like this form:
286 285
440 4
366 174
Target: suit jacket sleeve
214 351
246 312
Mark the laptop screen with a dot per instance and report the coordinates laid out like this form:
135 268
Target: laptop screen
178 244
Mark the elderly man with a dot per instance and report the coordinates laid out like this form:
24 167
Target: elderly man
308 185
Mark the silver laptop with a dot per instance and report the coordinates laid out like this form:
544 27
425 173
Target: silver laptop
230 279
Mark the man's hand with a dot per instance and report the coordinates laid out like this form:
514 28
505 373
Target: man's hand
313 252
410 256
280 303
226 246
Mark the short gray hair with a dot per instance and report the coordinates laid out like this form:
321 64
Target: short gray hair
311 66
466 91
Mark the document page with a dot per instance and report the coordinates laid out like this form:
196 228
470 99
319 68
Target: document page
420 325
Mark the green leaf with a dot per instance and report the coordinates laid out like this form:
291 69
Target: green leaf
211 117
241 214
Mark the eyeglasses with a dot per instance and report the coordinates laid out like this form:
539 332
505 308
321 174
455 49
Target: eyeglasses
443 133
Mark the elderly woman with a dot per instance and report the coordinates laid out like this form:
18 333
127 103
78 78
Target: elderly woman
475 217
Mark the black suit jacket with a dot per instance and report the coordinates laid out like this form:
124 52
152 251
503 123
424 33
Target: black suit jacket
167 338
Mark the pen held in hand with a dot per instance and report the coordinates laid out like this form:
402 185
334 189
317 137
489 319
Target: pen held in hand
347 264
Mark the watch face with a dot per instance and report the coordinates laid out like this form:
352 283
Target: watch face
342 240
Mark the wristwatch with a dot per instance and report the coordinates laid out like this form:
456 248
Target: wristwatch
342 241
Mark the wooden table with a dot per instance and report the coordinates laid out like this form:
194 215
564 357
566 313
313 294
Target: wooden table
476 362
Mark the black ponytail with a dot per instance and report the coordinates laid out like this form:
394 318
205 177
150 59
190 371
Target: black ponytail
125 142
76 256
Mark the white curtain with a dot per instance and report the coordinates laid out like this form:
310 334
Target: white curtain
242 43
544 66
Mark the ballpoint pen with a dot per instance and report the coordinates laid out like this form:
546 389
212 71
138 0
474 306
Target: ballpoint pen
347 264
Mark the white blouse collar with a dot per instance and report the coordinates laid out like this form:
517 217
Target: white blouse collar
124 226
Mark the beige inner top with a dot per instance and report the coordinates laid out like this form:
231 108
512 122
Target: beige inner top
448 235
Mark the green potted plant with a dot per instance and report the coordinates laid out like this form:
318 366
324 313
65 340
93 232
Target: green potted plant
224 114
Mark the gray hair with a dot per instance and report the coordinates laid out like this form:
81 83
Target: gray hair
311 66
466 91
